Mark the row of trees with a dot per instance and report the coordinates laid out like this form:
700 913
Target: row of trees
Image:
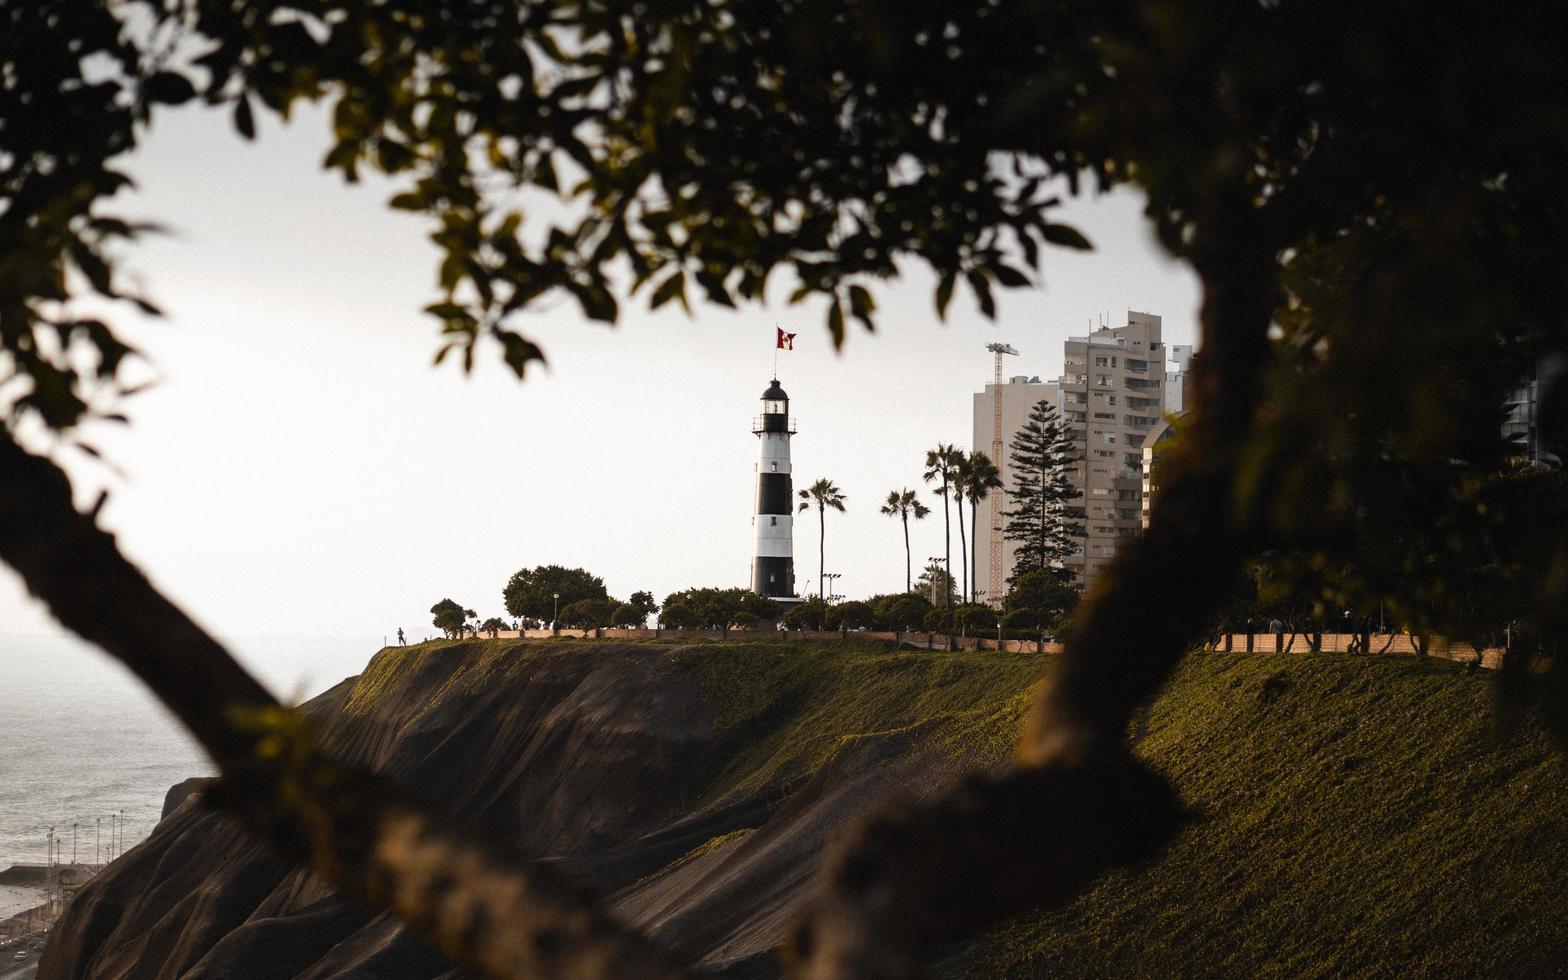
1038 601
1040 521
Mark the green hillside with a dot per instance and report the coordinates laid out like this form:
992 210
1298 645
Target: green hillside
1351 815
1354 817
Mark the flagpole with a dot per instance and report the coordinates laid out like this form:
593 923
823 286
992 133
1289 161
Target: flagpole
776 329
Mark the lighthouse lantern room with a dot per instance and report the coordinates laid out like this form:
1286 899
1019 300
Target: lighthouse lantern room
773 564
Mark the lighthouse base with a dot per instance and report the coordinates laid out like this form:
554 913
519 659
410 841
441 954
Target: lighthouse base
773 577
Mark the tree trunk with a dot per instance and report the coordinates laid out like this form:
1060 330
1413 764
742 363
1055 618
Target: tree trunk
947 552
974 550
480 903
822 557
1079 803
908 567
963 551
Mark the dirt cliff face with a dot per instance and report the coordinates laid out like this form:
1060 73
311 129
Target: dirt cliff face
697 787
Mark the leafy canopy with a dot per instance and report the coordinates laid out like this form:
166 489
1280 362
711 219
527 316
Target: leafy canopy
450 617
715 608
531 592
578 149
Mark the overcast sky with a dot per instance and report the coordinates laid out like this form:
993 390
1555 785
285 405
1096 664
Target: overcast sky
302 470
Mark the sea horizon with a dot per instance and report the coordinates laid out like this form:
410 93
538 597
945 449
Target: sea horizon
82 742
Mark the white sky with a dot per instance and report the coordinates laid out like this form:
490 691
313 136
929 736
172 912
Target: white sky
302 470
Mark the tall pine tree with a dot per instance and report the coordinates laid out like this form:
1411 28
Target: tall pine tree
1038 458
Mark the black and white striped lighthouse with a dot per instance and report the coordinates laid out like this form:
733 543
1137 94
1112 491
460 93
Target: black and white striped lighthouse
773 567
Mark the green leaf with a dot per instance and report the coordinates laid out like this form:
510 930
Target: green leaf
982 287
170 88
944 292
669 289
518 352
453 269
1066 236
1009 277
836 323
860 302
244 119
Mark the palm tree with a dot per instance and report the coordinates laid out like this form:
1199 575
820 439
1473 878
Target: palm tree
960 483
900 504
941 463
826 495
980 477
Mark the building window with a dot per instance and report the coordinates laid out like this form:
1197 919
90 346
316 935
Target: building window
773 521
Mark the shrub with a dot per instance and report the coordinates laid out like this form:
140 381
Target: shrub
937 620
806 616
589 613
716 608
900 611
854 615
1048 593
744 620
975 616
1031 620
627 614
678 616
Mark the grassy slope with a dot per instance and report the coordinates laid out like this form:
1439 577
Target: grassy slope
799 701
1355 817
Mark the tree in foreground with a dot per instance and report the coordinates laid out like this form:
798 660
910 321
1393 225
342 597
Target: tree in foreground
533 591
1358 191
1038 458
904 504
824 495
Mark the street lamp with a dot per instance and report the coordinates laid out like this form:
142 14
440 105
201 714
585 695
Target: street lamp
555 617
941 563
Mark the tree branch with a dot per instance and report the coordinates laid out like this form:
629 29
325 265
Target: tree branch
1079 803
482 905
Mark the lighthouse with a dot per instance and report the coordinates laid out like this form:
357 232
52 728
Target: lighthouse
773 564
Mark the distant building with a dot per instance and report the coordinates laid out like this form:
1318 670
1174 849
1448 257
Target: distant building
1522 423
1019 394
1112 395
1176 374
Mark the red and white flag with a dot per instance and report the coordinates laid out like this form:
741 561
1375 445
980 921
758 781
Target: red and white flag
786 340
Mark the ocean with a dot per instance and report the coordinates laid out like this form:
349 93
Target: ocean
87 751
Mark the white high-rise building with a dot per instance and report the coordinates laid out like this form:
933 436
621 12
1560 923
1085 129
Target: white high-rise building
1019 396
1112 394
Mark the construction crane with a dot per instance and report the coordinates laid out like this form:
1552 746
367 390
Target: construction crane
992 590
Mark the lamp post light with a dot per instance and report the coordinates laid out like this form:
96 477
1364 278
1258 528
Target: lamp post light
555 617
941 563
